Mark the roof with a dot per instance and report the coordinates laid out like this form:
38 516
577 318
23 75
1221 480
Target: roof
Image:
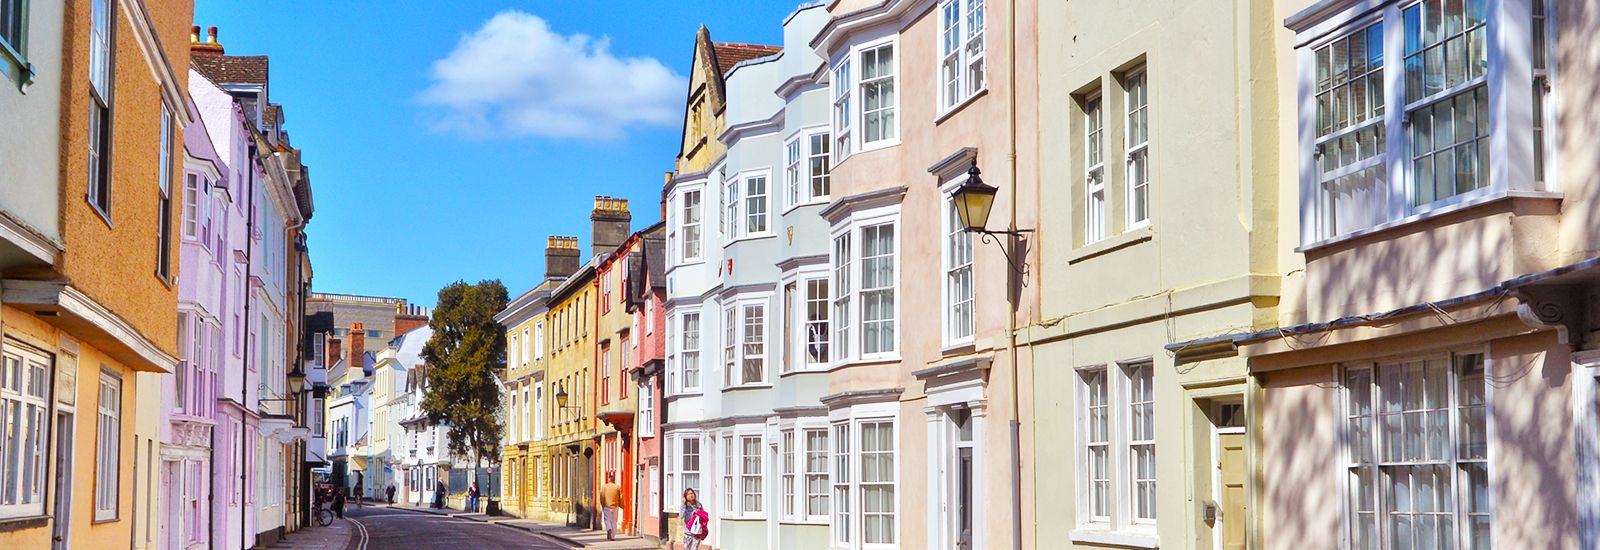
409 352
232 69
729 54
273 115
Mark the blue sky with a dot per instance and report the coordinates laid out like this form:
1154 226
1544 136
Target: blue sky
427 172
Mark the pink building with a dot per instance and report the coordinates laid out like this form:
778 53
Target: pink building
646 287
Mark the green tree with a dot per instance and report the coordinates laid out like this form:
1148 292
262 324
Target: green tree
467 349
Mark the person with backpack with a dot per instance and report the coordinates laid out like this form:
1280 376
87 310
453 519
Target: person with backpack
696 521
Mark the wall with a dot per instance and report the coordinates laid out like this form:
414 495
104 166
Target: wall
30 191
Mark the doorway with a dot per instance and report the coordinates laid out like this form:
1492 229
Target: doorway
61 533
1231 500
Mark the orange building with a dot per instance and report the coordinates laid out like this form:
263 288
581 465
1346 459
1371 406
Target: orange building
87 284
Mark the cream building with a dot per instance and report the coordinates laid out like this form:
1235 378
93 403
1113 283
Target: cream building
1159 150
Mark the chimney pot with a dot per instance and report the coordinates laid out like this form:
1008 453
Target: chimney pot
194 34
211 35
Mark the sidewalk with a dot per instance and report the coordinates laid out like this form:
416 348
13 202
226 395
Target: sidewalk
571 536
316 537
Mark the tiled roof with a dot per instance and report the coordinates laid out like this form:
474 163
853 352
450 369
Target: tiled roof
232 69
731 53
273 115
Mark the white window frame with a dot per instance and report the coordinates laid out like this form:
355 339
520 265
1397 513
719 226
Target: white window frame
1119 519
951 231
848 454
538 340
729 464
730 344
514 350
1137 151
691 356
807 474
1132 401
1094 173
1087 378
843 85
752 498
944 449
815 154
32 395
755 223
961 27
732 220
527 345
793 157
753 348
692 243
108 447
848 311
1451 459
891 133
647 409
786 473
806 324
1510 87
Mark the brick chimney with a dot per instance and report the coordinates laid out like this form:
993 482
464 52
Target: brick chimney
408 318
208 47
612 224
561 257
358 347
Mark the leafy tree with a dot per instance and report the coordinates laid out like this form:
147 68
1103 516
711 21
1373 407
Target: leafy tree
466 350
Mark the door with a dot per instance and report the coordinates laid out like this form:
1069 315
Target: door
1231 468
61 533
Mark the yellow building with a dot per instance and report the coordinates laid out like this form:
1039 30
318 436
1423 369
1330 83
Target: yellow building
570 446
615 399
88 266
526 492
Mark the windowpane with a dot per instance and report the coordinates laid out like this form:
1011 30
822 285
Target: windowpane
877 289
820 167
1097 424
958 276
1136 89
878 94
755 205
877 482
1141 440
691 225
1094 179
817 321
691 351
755 346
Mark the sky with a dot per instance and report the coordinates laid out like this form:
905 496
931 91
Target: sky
445 144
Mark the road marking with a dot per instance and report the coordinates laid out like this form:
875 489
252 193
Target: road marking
364 537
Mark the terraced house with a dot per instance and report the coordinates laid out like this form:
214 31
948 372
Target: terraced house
523 458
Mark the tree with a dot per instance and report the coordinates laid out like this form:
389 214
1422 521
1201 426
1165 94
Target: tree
466 350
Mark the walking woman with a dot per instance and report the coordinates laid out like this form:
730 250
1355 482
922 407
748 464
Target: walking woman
696 522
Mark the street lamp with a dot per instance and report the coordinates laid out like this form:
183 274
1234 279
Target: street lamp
973 201
297 380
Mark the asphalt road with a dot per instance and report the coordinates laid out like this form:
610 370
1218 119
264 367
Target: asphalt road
379 528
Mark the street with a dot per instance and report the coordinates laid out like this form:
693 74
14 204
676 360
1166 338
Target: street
378 528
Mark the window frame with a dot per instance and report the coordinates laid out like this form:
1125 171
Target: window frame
647 409
848 316
752 482
963 57
950 231
748 202
25 359
165 165
891 135
685 350
1096 223
1139 73
108 445
102 98
806 337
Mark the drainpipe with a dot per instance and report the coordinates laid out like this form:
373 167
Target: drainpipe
1013 278
244 384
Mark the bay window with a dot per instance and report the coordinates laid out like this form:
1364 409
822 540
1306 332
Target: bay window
787 469
866 280
843 86
791 170
730 455
689 461
841 297
754 354
806 168
816 322
690 229
820 165
755 205
877 483
866 477
1419 106
750 475
690 363
816 474
1416 453
878 100
730 349
878 289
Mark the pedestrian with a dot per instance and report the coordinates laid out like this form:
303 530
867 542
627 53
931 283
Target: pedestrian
472 497
696 522
438 494
338 504
610 504
390 492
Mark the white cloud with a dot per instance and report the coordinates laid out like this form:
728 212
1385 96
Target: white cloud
515 76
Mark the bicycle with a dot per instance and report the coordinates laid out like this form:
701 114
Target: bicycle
322 514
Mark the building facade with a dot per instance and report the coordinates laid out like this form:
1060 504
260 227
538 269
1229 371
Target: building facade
523 459
616 398
646 288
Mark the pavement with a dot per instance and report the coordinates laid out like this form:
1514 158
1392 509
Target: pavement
337 536
568 537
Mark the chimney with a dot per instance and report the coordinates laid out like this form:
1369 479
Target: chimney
611 224
358 347
664 196
408 318
209 47
561 257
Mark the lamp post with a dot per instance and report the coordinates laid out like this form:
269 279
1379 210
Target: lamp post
561 403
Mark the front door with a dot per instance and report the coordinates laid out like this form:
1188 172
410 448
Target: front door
1230 463
61 533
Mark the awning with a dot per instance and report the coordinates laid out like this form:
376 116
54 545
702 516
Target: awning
69 309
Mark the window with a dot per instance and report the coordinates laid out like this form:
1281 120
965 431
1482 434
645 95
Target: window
605 374
1095 174
959 317
755 344
164 200
1097 442
513 350
1137 90
956 492
750 474
816 475
691 225
841 298
877 289
961 50
187 351
1362 176
622 369
730 339
538 340
730 501
100 90
108 448
1142 440
605 290
24 431
1415 480
689 461
791 170
13 48
730 202
647 410
816 322
193 205
820 166
787 469
755 203
843 85
842 533
691 351
877 482
527 346
878 100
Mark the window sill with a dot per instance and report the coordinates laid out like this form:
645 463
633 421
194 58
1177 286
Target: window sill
23 522
748 387
864 362
1468 204
755 237
876 145
814 201
16 66
1111 244
96 208
963 346
947 113
1118 539
813 369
